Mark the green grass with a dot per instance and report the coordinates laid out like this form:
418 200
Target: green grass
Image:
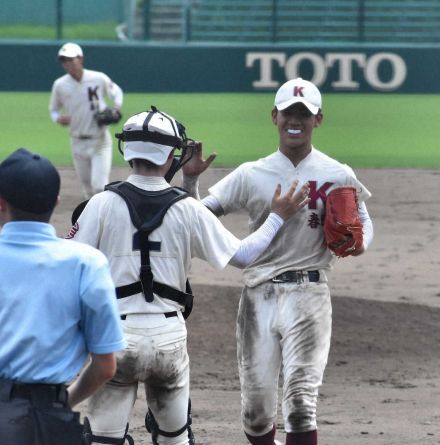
365 131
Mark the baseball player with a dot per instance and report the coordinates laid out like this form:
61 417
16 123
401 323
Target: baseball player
75 99
284 318
150 231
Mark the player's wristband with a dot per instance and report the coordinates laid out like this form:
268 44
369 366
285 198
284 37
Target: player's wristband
191 185
54 115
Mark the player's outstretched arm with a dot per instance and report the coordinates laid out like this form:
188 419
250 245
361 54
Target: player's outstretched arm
195 167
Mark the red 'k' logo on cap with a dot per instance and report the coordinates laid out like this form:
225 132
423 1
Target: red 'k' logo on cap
298 91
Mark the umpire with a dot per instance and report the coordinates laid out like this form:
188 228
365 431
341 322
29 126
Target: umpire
58 309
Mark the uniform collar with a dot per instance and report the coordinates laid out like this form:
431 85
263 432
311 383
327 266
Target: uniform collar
27 229
283 158
154 182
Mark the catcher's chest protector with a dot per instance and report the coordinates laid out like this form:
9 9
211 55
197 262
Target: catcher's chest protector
147 210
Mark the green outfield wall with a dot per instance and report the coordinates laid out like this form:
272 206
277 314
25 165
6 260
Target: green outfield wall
230 68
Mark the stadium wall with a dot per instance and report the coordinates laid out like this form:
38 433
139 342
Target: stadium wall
230 68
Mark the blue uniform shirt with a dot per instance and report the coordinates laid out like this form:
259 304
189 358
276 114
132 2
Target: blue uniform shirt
57 304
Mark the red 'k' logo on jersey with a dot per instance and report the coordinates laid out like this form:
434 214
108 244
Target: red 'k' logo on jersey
298 91
317 193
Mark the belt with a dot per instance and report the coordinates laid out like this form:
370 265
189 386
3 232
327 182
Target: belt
166 315
297 276
53 393
84 137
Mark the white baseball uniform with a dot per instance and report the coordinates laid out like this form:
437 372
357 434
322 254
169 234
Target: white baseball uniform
91 144
285 324
156 354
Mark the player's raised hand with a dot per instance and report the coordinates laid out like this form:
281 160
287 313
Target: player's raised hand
197 165
292 201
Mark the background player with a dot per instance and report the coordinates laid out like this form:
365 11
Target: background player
58 306
75 99
284 316
155 328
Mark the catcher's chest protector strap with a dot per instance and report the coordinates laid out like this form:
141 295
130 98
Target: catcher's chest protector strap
147 210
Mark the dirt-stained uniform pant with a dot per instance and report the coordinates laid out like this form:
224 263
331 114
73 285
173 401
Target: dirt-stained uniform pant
92 159
157 356
289 325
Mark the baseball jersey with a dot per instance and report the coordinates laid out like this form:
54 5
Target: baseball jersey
58 303
299 244
188 230
82 99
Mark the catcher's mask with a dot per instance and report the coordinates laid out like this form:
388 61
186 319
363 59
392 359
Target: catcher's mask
152 135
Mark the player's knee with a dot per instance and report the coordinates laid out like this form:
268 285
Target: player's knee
96 185
184 434
89 438
96 188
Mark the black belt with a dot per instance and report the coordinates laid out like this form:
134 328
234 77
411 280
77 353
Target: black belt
84 137
297 276
166 314
53 393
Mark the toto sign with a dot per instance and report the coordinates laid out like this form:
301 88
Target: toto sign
382 71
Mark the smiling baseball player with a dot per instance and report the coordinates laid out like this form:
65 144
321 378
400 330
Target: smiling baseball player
75 100
149 232
284 318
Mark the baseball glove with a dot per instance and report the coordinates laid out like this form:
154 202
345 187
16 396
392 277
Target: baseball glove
108 116
342 226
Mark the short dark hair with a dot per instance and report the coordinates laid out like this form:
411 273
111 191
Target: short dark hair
23 215
145 163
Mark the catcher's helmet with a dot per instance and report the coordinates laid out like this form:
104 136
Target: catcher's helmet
152 135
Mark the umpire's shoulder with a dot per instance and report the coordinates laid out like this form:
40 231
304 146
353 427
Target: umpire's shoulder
83 253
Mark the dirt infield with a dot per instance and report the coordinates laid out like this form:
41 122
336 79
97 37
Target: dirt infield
382 383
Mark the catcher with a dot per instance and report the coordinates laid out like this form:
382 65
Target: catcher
150 232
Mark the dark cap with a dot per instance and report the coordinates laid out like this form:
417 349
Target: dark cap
29 182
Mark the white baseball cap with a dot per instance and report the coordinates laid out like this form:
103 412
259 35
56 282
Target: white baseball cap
149 127
70 50
298 91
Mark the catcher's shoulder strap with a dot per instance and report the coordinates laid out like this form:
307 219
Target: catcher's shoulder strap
147 210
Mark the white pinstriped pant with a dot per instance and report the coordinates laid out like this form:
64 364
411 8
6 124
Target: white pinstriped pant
92 159
156 355
284 325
